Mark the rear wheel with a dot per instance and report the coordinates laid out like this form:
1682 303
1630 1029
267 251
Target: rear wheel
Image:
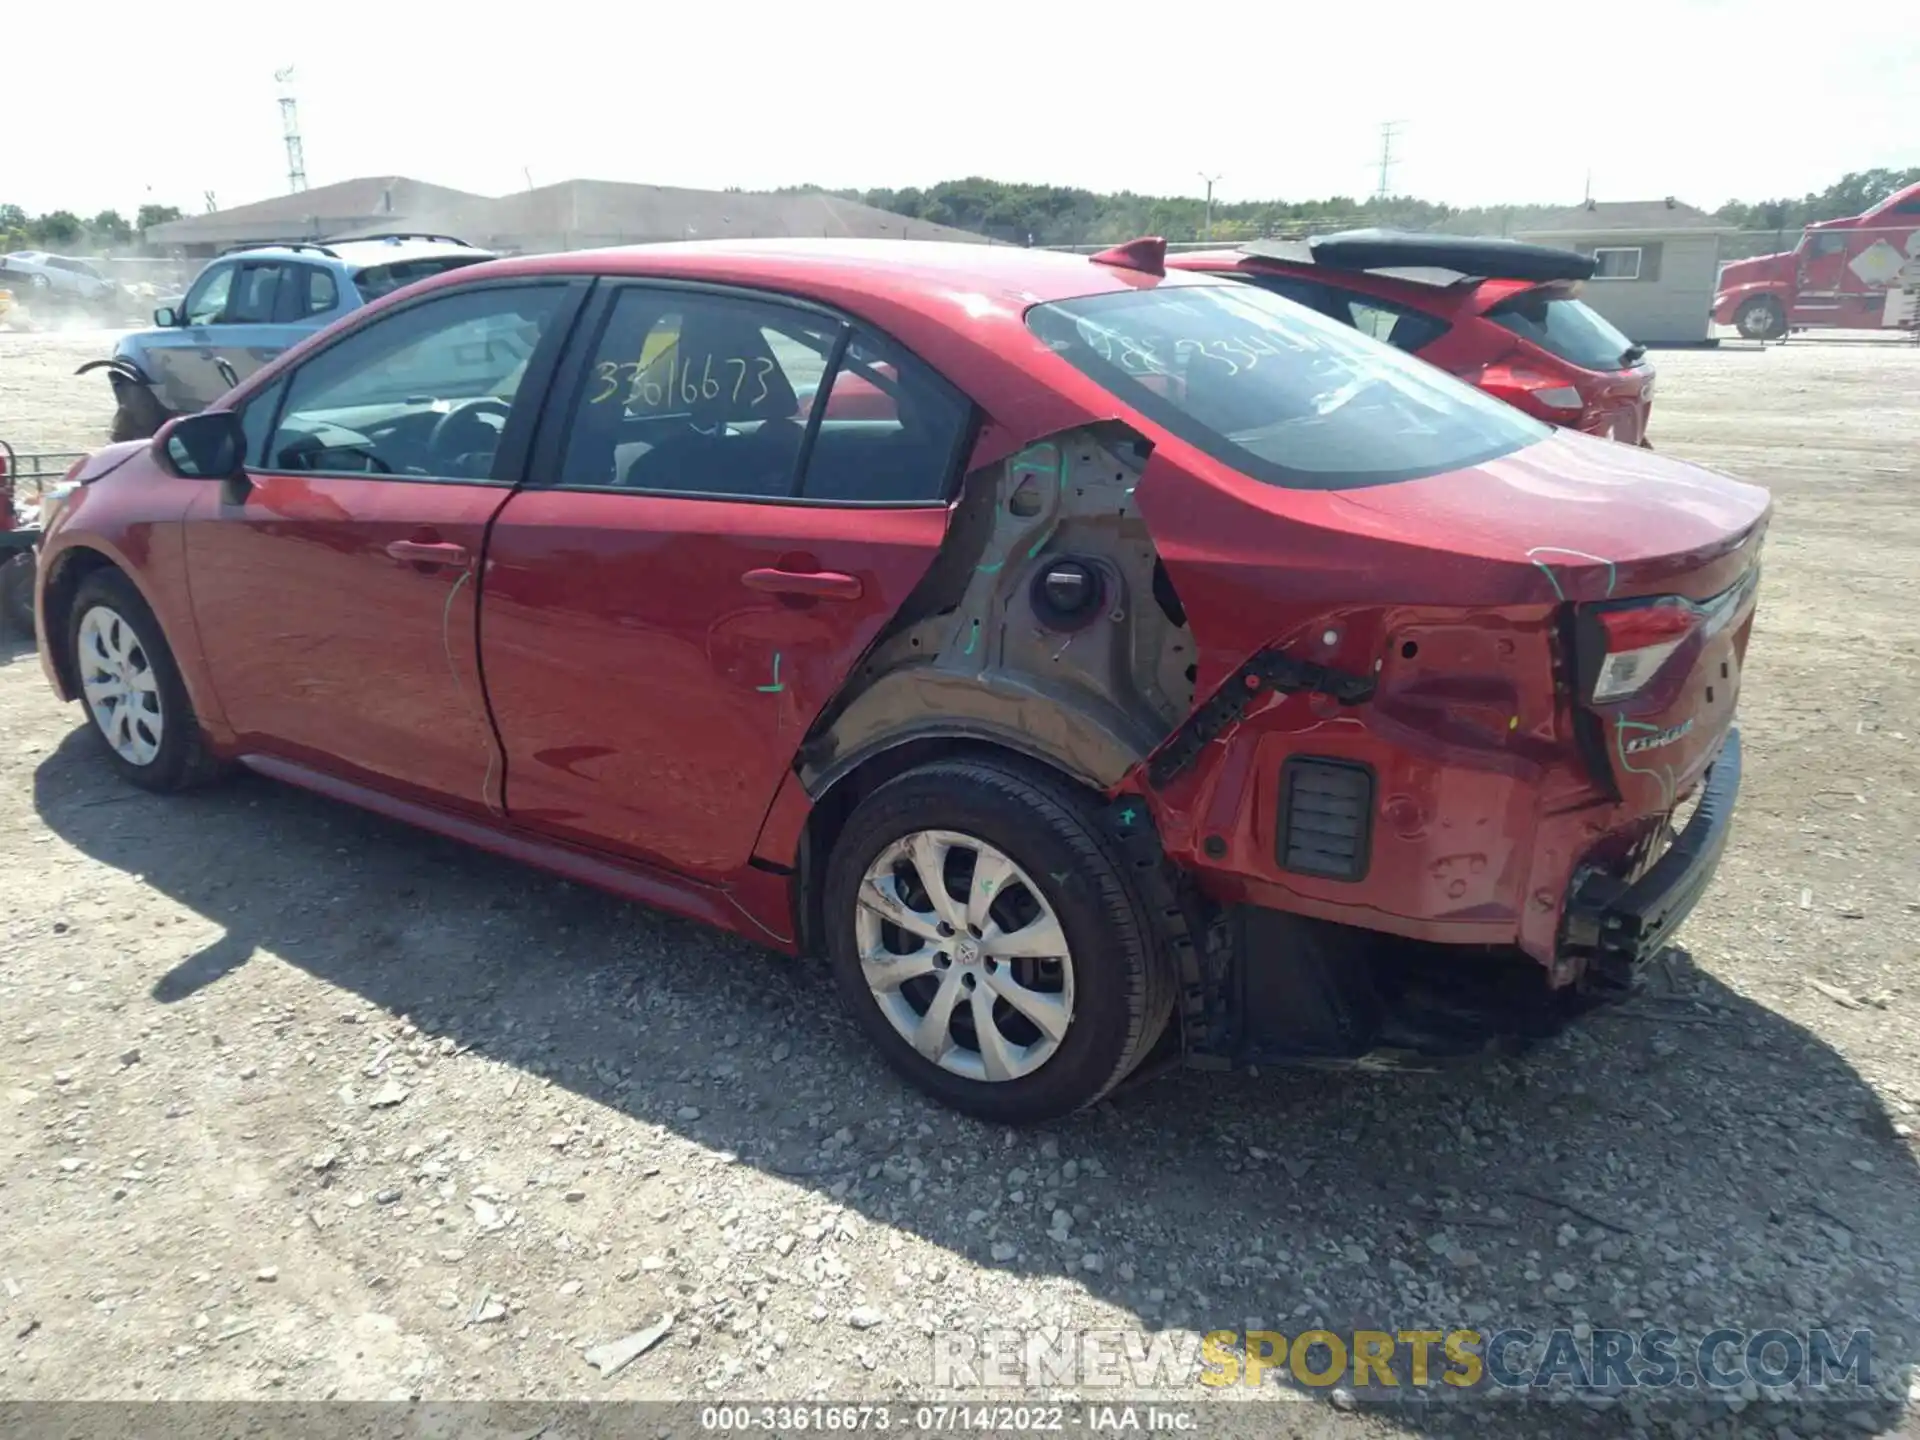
1761 318
986 938
132 688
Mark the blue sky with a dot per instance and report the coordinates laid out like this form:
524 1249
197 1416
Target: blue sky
1498 101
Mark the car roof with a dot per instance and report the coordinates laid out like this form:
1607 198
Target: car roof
960 308
388 250
359 254
924 274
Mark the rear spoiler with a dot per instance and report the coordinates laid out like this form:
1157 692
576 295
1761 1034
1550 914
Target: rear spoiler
1465 255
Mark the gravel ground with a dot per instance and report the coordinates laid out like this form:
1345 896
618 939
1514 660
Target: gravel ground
297 1103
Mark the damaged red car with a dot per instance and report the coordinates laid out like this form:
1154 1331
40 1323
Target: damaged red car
1132 666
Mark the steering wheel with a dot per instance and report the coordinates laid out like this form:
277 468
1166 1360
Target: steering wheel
464 429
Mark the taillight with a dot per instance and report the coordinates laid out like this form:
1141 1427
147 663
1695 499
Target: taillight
1547 396
1638 641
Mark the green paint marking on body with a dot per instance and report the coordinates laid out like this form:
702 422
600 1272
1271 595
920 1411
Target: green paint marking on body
776 687
973 638
990 569
1126 816
1059 877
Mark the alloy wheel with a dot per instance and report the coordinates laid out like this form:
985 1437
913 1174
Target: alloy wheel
964 955
122 690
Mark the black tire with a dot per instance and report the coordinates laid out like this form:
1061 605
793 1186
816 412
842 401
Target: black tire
137 414
182 759
1123 984
16 594
1761 318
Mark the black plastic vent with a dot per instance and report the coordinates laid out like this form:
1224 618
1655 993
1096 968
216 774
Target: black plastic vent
1326 818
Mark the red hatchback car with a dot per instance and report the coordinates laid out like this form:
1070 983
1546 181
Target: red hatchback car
1502 315
1134 664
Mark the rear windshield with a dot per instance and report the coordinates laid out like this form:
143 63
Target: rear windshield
1568 328
1278 392
378 280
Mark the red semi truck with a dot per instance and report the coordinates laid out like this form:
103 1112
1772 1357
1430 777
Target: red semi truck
1860 273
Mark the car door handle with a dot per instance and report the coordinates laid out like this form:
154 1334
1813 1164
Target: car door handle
428 552
822 584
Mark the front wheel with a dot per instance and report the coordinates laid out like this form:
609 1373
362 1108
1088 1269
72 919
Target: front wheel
1761 319
132 688
985 935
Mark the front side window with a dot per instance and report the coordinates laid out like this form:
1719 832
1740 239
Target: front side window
1282 394
424 391
1829 243
207 301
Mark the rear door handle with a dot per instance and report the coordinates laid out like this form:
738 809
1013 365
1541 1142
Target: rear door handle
428 552
822 584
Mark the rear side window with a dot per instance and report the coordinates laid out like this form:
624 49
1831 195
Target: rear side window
716 395
1567 328
1282 394
254 293
891 431
322 293
697 394
1400 326
378 280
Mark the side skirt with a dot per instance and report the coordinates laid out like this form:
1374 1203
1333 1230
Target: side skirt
714 905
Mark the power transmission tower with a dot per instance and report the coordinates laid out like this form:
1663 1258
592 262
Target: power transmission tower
1210 179
1388 131
290 125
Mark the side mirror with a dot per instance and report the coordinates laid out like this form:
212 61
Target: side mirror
164 318
208 446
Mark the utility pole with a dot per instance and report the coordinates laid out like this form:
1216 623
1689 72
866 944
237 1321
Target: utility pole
290 127
1388 130
1210 179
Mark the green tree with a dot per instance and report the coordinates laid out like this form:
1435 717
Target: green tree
151 215
110 227
56 228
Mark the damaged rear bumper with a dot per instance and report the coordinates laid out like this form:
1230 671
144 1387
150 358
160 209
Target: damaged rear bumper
1617 927
1293 990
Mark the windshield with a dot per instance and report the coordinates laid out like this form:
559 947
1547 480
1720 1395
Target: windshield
1280 393
378 280
1571 329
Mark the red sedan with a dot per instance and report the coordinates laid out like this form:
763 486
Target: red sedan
1501 314
1131 664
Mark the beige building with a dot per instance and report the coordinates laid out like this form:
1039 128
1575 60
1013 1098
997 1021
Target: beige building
1657 264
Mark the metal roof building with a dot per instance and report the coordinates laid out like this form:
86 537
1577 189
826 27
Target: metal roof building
570 215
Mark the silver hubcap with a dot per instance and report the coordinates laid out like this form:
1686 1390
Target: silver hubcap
964 956
1757 321
123 693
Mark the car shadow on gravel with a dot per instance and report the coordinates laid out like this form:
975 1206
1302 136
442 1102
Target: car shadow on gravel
1693 1161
